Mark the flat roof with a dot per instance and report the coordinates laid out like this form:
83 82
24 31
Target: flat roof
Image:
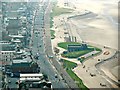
19 36
7 51
25 60
34 75
18 61
30 79
17 41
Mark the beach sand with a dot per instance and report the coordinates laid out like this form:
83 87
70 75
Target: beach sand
99 27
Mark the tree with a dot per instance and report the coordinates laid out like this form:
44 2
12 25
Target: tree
56 50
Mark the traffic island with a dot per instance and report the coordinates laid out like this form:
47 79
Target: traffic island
52 34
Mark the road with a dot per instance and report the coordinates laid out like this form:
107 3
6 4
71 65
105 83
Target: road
38 46
48 50
83 74
0 78
76 31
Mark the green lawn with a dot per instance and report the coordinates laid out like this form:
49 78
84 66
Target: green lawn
58 11
51 22
76 78
52 34
76 54
69 66
65 44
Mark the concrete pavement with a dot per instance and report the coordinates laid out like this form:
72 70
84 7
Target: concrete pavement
83 73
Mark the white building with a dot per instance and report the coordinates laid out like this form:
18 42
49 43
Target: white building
31 77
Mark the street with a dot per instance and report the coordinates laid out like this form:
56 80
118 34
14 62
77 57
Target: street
38 47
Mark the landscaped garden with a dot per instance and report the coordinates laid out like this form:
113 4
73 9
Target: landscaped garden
65 44
56 11
76 54
69 66
52 34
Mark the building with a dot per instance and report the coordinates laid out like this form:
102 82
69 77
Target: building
34 80
31 77
18 40
7 55
5 36
7 51
76 47
13 26
25 65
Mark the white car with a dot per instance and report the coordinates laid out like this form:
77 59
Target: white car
50 56
102 84
11 75
56 76
0 68
9 81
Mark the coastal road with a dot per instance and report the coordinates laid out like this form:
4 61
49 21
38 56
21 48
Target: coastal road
49 51
38 47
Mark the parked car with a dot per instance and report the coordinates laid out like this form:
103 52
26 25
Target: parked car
8 72
9 81
102 84
12 75
92 74
56 76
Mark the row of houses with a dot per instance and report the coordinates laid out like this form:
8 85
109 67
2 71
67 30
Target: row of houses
15 38
13 29
14 43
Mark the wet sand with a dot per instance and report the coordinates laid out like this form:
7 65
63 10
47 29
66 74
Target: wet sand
99 27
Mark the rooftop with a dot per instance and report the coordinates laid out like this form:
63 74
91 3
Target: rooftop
7 47
12 14
13 6
34 75
16 41
13 23
25 60
16 36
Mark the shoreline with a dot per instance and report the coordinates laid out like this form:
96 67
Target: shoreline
90 35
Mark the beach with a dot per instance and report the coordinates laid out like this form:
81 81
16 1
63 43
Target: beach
96 22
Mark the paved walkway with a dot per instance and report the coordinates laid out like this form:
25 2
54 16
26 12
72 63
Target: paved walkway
84 73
